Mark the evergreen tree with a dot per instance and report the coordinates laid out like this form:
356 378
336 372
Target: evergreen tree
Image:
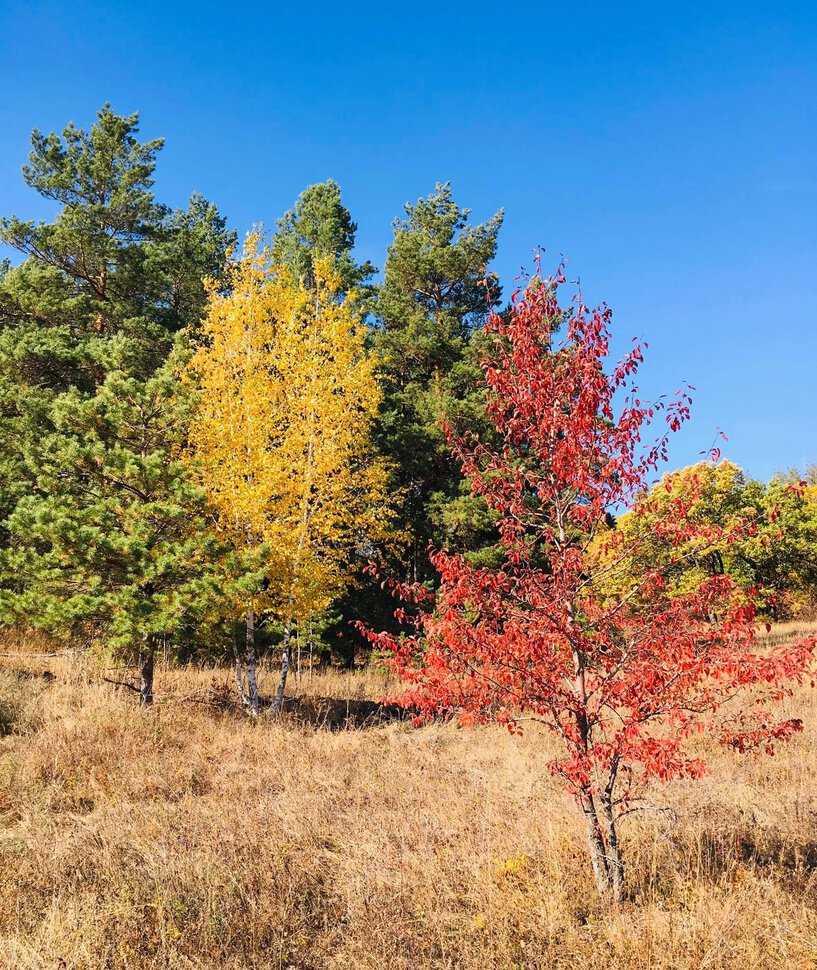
113 540
190 249
320 226
435 295
105 533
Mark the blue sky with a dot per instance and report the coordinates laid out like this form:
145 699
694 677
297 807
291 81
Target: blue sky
667 149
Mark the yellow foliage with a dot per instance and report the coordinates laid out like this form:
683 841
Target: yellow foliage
281 437
719 496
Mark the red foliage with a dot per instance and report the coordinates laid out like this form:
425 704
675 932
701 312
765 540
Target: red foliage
623 682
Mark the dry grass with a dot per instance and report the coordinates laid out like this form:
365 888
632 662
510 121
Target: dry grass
188 837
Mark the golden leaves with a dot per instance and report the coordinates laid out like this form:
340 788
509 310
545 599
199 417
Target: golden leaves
281 436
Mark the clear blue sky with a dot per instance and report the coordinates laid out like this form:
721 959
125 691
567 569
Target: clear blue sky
668 149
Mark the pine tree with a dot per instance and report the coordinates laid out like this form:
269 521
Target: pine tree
105 532
430 308
435 295
321 227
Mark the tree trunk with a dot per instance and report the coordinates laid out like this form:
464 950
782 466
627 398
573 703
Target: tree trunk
249 664
311 663
239 676
146 658
603 844
615 863
595 843
278 703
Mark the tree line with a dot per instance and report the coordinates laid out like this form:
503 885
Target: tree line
204 446
210 449
128 358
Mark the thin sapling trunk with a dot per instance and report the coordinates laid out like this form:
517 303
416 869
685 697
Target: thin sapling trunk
249 664
146 663
278 703
239 676
595 844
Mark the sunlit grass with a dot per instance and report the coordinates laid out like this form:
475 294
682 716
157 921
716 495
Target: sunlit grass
189 837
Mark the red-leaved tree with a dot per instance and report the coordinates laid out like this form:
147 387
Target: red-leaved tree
624 679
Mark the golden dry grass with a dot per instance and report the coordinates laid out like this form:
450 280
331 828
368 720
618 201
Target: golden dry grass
188 837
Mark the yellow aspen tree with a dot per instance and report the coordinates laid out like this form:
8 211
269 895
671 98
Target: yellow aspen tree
281 438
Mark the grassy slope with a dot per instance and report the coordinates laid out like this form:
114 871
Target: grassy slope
188 837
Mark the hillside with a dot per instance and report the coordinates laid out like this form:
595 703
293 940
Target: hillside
189 837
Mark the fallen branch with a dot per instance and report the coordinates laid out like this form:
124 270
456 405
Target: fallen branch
122 683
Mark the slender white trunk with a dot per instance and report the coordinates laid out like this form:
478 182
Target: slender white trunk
278 703
311 642
602 837
249 664
239 676
603 844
